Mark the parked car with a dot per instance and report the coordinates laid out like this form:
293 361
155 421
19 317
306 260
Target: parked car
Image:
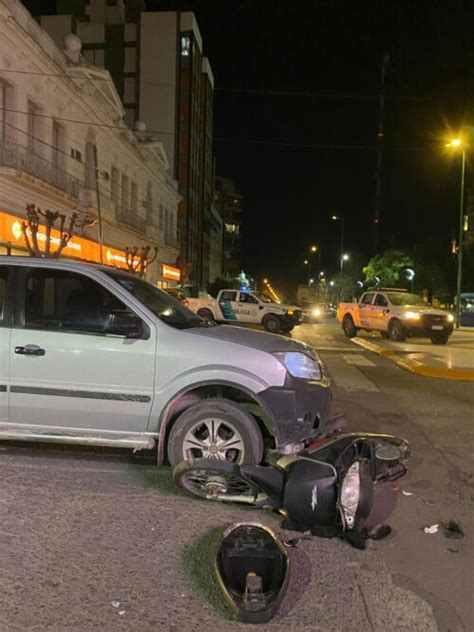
93 355
396 314
247 307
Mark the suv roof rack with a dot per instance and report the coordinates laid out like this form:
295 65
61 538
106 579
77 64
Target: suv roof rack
387 289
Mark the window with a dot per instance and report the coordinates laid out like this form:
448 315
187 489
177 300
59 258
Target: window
167 223
161 220
3 289
367 298
228 295
134 197
245 297
94 56
58 144
232 228
185 46
89 166
380 300
114 185
129 64
56 300
34 128
129 90
5 104
125 194
149 203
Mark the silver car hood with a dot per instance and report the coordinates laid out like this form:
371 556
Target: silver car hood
260 340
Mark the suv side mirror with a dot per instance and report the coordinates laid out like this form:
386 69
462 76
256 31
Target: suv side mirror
124 324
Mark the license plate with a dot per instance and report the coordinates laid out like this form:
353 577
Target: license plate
437 327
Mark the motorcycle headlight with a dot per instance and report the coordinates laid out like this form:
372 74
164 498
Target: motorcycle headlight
317 312
356 494
413 315
301 365
350 493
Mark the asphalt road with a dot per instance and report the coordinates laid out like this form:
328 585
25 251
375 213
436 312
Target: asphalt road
102 540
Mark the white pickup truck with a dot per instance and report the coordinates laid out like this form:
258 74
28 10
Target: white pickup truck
397 314
247 307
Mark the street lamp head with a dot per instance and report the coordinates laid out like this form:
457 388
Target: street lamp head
314 248
306 262
334 217
321 274
456 142
345 257
331 283
311 281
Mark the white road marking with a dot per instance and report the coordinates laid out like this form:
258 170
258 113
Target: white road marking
348 376
358 360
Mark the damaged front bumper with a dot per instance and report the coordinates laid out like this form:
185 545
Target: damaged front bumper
300 413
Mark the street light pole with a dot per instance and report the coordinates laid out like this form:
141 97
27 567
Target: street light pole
461 231
336 218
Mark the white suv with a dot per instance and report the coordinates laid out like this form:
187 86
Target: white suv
93 355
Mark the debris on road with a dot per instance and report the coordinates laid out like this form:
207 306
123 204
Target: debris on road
115 604
432 529
452 529
407 493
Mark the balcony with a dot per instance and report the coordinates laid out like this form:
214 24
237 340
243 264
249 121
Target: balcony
131 219
22 159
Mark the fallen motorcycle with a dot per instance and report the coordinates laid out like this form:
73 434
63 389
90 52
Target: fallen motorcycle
327 489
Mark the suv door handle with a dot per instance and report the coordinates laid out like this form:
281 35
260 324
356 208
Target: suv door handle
32 350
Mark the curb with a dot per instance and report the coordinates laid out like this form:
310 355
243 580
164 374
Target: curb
414 366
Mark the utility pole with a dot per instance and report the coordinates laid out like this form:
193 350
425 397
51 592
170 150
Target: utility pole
380 136
461 239
97 190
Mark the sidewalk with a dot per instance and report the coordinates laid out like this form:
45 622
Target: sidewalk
453 361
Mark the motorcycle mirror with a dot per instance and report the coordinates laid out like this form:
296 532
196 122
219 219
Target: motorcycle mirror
387 452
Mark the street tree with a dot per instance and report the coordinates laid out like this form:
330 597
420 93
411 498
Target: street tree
53 246
387 267
138 258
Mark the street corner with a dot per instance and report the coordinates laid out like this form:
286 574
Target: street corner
449 362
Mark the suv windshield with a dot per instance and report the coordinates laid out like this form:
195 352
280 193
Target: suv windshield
402 298
167 308
262 298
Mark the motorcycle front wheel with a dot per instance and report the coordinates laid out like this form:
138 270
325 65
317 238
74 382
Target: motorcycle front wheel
215 480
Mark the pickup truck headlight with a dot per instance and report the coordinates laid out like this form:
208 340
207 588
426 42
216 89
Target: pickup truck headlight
413 315
300 365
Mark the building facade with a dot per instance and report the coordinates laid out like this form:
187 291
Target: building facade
61 123
156 62
229 205
216 245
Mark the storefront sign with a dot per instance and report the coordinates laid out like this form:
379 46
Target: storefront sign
11 233
171 273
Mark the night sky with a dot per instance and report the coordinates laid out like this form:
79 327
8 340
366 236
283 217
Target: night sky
258 48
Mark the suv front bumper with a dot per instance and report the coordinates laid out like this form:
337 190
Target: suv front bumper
299 410
426 330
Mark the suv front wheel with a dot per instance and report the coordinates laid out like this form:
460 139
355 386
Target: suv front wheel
215 429
396 331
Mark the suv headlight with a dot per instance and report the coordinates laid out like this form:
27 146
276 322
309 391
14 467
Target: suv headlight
413 315
300 365
450 318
